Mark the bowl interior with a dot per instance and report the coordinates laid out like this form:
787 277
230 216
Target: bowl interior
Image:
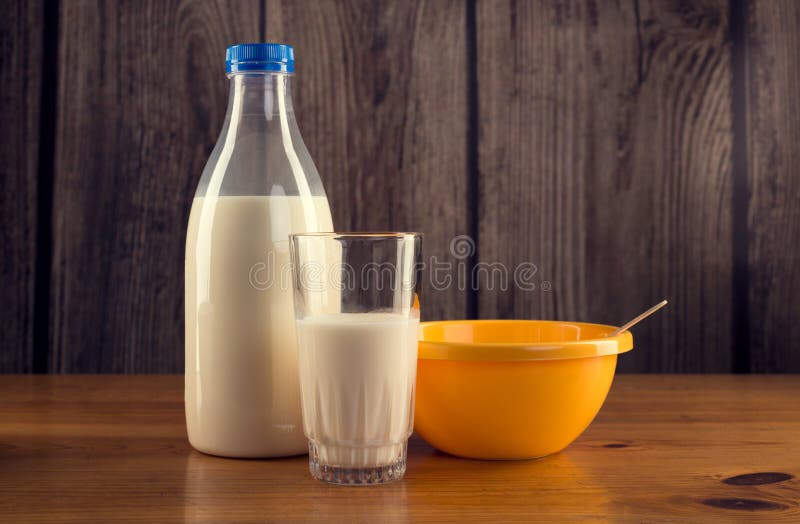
505 340
512 331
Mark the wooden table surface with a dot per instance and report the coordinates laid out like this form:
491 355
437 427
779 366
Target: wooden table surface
664 448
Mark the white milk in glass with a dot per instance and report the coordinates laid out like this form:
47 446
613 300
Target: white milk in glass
357 373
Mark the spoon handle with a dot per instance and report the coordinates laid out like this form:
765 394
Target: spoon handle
639 318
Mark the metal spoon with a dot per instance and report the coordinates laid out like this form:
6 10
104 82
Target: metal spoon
631 323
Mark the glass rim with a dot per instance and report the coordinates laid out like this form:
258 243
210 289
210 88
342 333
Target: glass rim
357 234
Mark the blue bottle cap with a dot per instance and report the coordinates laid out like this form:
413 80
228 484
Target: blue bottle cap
259 57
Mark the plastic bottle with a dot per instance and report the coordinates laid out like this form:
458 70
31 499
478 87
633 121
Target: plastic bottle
259 185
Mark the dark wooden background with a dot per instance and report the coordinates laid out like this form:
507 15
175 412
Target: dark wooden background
632 150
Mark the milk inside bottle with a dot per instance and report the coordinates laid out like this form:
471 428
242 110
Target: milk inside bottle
241 379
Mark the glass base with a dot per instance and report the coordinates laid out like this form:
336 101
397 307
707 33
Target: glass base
356 472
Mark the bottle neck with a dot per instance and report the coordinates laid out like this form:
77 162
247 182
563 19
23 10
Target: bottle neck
264 95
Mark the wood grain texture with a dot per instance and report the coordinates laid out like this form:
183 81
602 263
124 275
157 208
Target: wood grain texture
380 96
663 449
604 159
142 96
773 148
20 78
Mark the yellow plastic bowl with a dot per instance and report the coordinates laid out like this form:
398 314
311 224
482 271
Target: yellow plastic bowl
512 389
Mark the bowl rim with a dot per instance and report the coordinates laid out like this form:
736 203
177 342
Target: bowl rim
522 351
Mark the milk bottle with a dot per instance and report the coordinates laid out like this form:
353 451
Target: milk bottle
241 379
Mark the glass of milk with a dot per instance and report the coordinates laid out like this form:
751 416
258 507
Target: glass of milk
357 317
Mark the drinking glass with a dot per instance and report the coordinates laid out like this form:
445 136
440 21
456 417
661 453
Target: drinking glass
357 318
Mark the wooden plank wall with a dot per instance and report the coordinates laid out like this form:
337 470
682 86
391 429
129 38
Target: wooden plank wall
606 137
772 99
629 150
20 98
